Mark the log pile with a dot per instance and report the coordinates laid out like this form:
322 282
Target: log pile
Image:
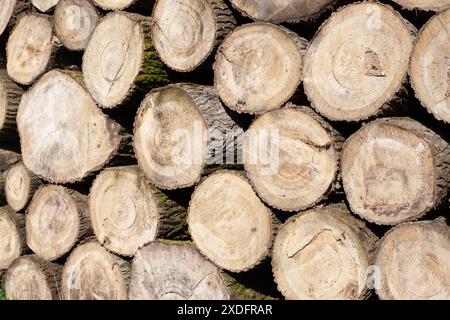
237 149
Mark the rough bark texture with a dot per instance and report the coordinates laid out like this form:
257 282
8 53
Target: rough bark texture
323 253
395 170
291 157
412 261
188 114
10 95
204 23
57 218
12 240
32 278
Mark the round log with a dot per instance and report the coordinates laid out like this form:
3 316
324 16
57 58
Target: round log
12 240
32 278
20 185
10 95
426 5
358 62
395 170
75 20
30 48
7 159
127 212
185 34
6 11
291 157
323 253
64 132
281 11
113 4
179 131
413 261
91 273
120 58
159 275
44 5
258 67
430 69
57 218
229 223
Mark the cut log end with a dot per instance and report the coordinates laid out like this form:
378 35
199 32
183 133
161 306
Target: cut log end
185 34
353 77
64 132
229 223
389 172
413 261
157 138
32 278
426 5
318 255
75 20
290 158
91 273
113 4
430 68
11 240
159 275
44 5
29 48
6 11
20 185
258 67
281 11
124 213
55 221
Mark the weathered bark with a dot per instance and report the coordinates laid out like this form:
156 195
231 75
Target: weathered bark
179 131
413 262
395 170
120 58
426 5
358 62
430 69
12 236
69 137
57 218
127 212
113 4
10 95
258 67
44 5
20 185
92 273
75 20
281 11
32 278
228 222
31 48
204 25
291 157
323 253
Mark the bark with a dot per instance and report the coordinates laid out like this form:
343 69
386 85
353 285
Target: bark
10 95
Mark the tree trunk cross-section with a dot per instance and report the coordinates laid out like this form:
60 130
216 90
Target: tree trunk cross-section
92 273
29 48
32 278
159 275
395 170
291 157
281 10
20 185
179 130
413 261
75 20
430 66
114 4
7 159
12 236
229 223
427 5
323 253
127 212
57 218
185 33
64 136
6 11
258 67
358 61
10 95
44 5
